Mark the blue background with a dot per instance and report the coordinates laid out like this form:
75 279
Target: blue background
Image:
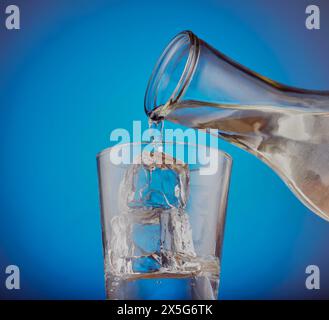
77 70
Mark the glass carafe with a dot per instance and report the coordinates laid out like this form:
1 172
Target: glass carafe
195 85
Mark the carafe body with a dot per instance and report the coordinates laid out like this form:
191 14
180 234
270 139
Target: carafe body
195 85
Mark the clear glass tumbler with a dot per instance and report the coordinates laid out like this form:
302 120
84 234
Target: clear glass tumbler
163 212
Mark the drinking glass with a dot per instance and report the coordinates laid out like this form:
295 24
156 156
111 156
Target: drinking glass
163 212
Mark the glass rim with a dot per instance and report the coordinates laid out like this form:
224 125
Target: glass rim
151 94
105 151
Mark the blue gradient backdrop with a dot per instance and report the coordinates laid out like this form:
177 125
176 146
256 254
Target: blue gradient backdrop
77 70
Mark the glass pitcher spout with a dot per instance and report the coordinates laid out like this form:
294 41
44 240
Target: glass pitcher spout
197 86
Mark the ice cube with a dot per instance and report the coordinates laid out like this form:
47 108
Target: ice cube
120 246
146 238
146 264
176 233
158 181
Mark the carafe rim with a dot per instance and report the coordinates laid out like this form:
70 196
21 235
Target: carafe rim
184 38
